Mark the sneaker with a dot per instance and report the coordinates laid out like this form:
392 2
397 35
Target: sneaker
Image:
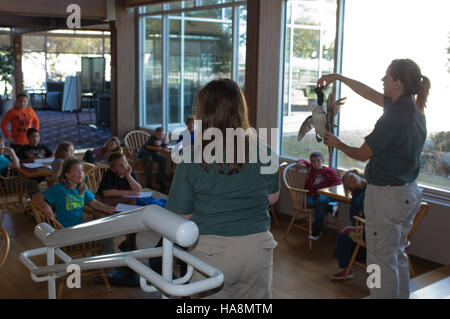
314 236
340 275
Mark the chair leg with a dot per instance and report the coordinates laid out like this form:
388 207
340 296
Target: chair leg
412 274
105 279
310 231
352 260
337 223
290 224
61 288
273 214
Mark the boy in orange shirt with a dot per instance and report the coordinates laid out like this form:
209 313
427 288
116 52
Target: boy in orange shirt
21 117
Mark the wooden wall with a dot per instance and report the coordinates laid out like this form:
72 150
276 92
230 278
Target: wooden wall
124 102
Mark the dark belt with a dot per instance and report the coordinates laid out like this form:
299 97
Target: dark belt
398 184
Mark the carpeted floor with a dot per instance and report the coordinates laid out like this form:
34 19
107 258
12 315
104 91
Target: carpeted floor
56 127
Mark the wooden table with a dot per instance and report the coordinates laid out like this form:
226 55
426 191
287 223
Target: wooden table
167 149
335 192
33 172
145 239
113 201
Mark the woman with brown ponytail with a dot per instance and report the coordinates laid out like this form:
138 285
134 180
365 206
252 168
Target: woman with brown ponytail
394 148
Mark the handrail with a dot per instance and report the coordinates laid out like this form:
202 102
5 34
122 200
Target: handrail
177 229
173 228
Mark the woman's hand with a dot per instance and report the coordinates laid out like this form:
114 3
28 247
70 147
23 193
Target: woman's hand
331 140
326 80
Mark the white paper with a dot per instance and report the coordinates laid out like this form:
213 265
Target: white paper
124 207
33 165
141 194
48 160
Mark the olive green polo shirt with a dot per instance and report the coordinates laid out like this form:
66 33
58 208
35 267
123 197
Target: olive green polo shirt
396 142
221 204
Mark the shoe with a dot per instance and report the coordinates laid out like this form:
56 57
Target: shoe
340 275
314 236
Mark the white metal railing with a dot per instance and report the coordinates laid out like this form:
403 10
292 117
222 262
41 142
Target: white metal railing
173 228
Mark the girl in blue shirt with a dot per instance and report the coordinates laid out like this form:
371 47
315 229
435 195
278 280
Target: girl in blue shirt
70 196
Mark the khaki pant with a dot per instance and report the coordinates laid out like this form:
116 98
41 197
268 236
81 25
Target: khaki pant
246 262
390 211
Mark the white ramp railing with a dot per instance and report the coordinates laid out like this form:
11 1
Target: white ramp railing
173 229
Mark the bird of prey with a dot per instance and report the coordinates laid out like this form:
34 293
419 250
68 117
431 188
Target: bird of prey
322 120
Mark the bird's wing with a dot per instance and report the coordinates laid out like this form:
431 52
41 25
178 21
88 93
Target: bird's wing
305 128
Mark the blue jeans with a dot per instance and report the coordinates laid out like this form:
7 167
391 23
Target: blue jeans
344 251
321 208
148 157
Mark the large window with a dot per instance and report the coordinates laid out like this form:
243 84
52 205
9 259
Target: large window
374 33
184 45
57 54
309 53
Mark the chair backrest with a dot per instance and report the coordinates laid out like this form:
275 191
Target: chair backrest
12 185
94 177
40 217
87 167
294 179
73 250
418 218
134 140
4 246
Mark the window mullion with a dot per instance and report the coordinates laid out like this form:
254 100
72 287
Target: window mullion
338 69
165 71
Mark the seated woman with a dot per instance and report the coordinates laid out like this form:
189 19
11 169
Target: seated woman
63 151
354 183
100 154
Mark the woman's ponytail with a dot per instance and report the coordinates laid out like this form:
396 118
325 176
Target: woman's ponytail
422 95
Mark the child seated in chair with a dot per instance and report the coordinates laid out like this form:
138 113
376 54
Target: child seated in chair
9 159
100 154
356 184
33 149
319 176
70 196
63 151
118 180
159 138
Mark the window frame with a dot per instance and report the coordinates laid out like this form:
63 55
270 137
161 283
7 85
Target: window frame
431 193
235 6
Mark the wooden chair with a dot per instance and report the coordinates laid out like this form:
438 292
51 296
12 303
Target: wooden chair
4 246
13 190
273 213
79 250
360 240
87 167
294 181
94 177
134 140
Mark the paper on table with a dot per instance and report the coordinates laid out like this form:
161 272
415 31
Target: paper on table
33 165
141 194
124 207
44 160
